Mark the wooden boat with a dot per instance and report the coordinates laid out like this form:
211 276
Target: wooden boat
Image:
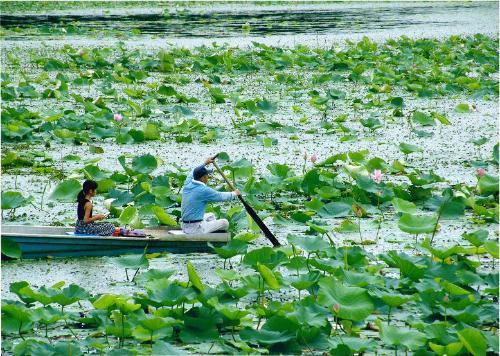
49 241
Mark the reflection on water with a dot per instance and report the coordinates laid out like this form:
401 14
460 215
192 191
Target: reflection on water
260 22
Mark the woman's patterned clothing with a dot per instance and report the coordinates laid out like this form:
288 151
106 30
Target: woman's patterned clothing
93 228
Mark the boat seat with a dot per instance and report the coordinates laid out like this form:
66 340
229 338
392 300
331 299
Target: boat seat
177 232
72 233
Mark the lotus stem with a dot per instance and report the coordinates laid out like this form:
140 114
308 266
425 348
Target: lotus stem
436 226
135 274
19 330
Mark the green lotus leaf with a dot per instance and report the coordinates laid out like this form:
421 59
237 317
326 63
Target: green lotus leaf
231 249
66 191
403 206
144 164
417 224
400 336
128 215
268 276
473 340
10 248
354 302
194 278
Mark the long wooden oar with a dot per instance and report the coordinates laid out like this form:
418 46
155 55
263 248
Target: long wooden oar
250 211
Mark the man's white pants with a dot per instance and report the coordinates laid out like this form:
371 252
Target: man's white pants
208 224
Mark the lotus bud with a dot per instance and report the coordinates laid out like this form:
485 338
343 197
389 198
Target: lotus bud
414 66
446 299
336 308
314 158
481 172
305 156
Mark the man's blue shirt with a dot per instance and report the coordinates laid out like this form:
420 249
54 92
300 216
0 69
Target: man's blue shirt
195 197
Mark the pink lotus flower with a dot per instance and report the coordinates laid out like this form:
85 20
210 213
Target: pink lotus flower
481 172
377 176
118 117
314 158
336 308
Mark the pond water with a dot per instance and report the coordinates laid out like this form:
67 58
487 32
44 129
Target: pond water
224 22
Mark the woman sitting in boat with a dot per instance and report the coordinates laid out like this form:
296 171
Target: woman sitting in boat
86 224
195 196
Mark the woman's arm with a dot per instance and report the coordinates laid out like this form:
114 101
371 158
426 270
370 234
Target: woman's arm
86 217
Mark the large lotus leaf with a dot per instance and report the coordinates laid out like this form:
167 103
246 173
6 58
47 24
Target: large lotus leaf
167 293
309 243
163 216
266 106
408 148
94 172
336 209
131 261
266 337
312 315
151 131
473 340
217 95
403 206
488 184
422 119
354 302
268 276
449 207
400 336
492 248
163 348
476 238
144 164
10 248
407 265
417 224
451 349
279 170
128 215
70 295
14 200
265 255
194 278
392 299
310 181
142 333
66 191
367 184
231 249
462 108
304 281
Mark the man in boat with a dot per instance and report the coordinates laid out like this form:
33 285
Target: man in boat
195 196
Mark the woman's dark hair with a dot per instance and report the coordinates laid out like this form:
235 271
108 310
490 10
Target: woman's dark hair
87 185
